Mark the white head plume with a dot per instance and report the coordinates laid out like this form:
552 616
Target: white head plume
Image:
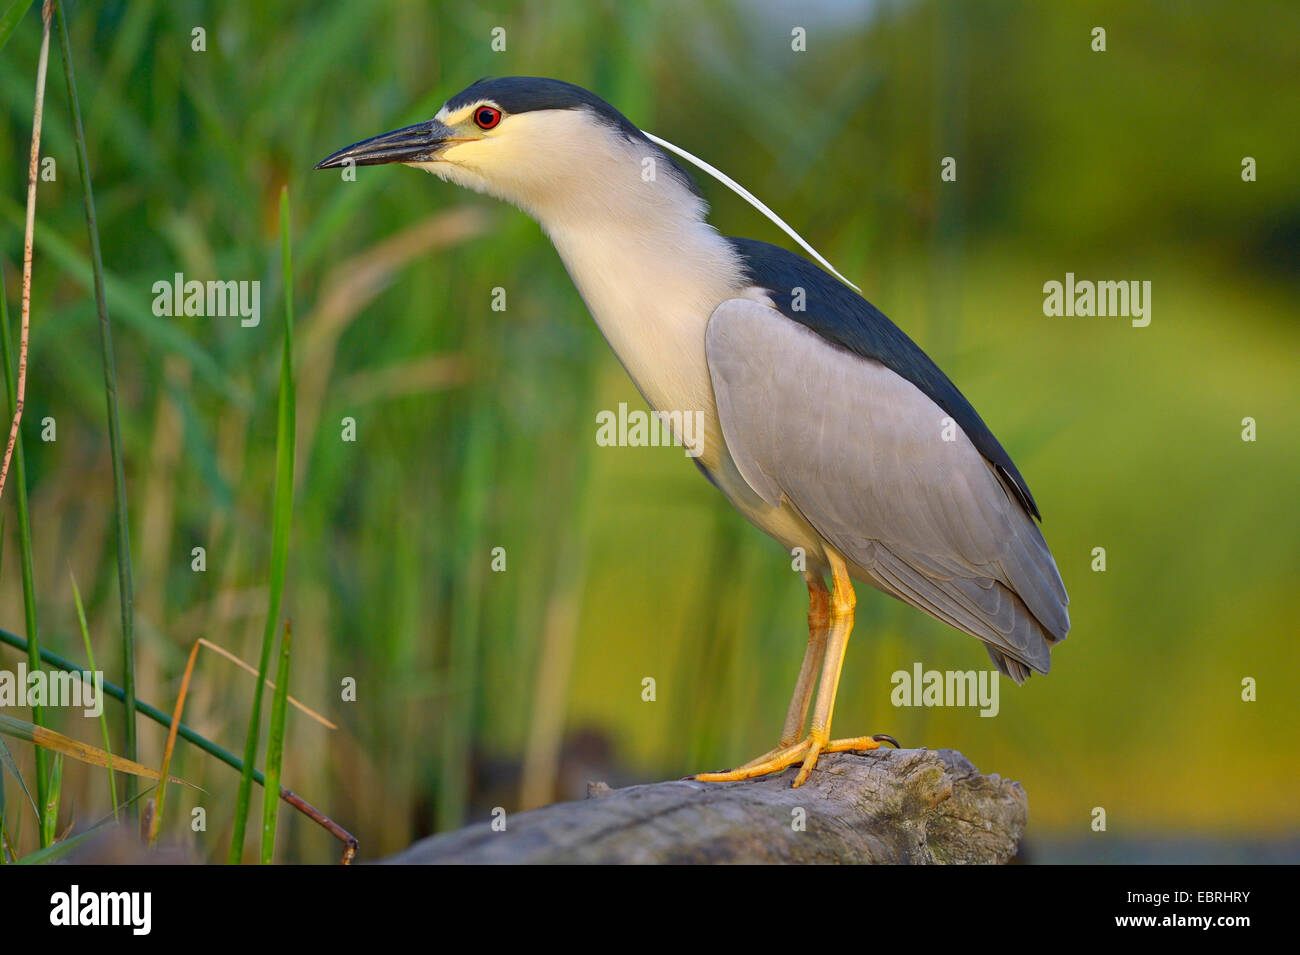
753 200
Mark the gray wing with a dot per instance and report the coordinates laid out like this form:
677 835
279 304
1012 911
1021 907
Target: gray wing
860 452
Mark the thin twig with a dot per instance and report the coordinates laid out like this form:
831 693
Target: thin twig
325 822
29 236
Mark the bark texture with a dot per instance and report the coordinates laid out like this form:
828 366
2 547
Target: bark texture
911 806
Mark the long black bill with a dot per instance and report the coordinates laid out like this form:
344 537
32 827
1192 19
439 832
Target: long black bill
418 143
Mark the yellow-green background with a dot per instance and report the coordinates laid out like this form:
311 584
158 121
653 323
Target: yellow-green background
476 428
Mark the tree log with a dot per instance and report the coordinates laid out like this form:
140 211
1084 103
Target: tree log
886 806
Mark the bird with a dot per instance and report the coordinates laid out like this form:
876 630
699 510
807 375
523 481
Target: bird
825 425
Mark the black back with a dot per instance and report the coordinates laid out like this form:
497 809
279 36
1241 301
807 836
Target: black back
844 318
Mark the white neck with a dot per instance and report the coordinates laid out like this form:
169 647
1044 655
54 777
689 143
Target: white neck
651 281
649 268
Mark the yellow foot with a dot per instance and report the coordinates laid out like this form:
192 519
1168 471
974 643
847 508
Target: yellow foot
806 751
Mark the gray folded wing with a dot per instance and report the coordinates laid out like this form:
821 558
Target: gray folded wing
866 458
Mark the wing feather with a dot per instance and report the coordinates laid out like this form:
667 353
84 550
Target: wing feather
860 451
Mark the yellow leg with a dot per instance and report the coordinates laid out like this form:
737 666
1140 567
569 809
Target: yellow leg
819 620
829 641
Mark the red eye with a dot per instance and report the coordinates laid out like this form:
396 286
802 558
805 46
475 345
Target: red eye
485 117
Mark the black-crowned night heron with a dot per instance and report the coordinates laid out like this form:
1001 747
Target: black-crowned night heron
824 424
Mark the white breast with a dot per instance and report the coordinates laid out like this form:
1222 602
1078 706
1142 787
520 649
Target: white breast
653 306
652 302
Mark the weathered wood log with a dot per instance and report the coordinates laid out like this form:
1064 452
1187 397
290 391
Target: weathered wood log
885 806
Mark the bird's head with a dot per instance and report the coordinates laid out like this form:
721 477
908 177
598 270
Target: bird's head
549 147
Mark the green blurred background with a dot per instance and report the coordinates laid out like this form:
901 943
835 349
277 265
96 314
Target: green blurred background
476 428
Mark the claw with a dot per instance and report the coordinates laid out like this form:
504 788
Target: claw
804 753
